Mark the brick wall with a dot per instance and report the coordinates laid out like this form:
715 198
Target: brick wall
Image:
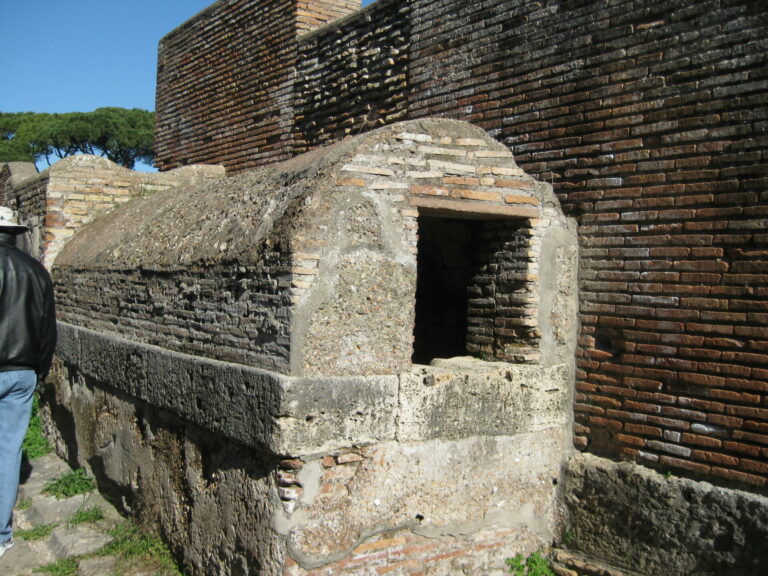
57 202
225 82
310 14
649 119
22 189
352 75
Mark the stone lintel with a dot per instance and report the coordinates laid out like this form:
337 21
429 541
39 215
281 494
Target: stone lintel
471 210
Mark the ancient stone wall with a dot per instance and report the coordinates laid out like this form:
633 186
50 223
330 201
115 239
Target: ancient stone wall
334 253
365 59
23 190
310 14
649 120
235 360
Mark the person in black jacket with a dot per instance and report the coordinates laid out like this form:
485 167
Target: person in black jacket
27 343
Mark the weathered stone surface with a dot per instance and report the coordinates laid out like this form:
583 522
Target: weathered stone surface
242 354
430 490
464 397
209 497
663 525
264 410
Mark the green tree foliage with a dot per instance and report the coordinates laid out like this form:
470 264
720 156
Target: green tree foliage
121 135
14 149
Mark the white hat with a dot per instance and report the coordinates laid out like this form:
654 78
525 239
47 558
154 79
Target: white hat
8 222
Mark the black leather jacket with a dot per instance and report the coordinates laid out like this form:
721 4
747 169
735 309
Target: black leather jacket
27 315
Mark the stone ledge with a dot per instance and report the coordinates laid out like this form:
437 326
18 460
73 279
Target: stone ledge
285 415
627 515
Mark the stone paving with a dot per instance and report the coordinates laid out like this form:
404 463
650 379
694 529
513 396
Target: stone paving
35 509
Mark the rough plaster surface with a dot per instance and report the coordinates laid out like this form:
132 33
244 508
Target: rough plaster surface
461 397
356 296
428 488
664 525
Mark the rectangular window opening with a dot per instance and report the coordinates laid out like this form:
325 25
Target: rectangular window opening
468 279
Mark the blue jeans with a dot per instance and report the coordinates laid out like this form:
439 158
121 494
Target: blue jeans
16 391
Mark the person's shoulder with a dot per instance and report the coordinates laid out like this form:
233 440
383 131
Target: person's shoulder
22 257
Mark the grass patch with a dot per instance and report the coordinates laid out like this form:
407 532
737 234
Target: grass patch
71 484
24 504
36 533
89 515
35 443
134 547
66 567
534 565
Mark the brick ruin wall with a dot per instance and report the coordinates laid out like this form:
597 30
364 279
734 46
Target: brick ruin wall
649 120
57 202
225 89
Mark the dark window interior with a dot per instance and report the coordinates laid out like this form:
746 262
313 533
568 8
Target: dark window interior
444 271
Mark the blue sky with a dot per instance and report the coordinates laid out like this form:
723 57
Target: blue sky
79 55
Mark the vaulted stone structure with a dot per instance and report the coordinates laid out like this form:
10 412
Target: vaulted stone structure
312 348
313 268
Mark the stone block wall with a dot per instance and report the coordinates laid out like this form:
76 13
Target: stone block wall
320 476
238 353
649 121
651 523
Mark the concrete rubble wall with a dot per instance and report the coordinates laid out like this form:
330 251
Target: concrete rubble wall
319 447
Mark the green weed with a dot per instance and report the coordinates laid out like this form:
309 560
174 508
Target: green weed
71 484
568 538
36 533
131 545
24 504
534 565
86 516
35 443
66 567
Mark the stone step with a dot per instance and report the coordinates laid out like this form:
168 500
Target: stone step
66 540
572 563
